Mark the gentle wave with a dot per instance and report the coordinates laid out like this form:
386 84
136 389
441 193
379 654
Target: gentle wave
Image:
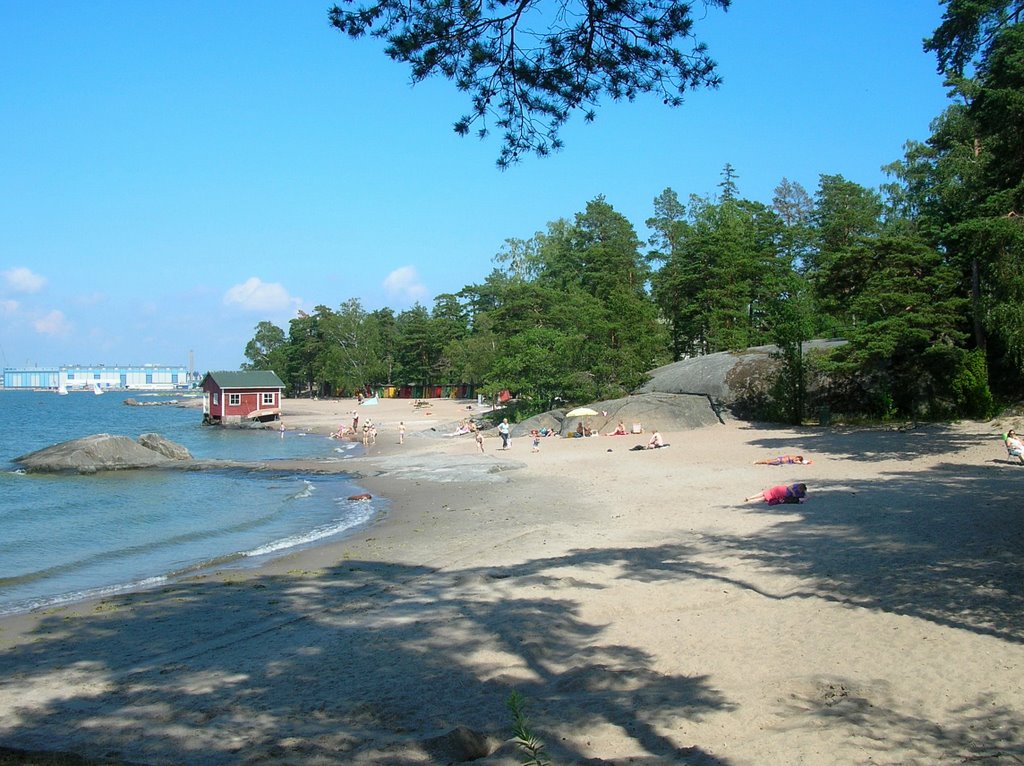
127 551
72 597
306 491
318 533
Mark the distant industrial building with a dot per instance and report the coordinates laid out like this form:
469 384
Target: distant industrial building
144 377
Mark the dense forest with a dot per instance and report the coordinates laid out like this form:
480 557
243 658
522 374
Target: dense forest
923 277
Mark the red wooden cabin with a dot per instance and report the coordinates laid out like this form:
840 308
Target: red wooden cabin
238 398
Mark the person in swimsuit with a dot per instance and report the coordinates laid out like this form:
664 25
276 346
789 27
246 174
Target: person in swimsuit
784 460
781 493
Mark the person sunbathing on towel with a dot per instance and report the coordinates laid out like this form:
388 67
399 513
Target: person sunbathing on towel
784 460
620 430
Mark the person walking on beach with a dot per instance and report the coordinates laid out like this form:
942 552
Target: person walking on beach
781 493
505 432
401 432
480 440
536 440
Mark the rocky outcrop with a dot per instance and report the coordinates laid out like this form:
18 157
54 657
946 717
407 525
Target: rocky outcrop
666 412
104 452
165 447
687 394
736 380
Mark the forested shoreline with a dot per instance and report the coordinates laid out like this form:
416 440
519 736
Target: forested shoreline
924 277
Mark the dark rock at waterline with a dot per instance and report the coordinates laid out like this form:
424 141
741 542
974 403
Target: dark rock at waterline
104 452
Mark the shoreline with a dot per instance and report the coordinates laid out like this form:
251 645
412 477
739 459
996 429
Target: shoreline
641 607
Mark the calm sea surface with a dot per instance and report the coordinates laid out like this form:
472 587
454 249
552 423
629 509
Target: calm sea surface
68 537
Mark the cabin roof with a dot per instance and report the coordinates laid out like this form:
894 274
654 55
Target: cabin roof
226 379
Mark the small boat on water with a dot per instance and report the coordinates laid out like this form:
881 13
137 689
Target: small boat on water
62 390
96 389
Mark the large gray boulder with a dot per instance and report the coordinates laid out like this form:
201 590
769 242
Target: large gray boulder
666 412
100 452
730 378
691 393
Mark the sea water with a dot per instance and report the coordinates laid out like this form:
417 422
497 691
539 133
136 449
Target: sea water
67 537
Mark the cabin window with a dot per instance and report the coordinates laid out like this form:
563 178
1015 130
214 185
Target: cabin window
268 398
234 400
216 397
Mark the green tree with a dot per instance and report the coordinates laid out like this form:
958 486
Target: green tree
964 186
907 344
416 349
668 287
795 209
967 28
306 351
449 325
268 350
721 274
528 66
351 352
847 216
600 256
790 317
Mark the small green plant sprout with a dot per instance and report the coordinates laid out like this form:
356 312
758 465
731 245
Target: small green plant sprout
531 747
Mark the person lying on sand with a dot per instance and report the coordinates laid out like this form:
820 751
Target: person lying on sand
784 460
781 493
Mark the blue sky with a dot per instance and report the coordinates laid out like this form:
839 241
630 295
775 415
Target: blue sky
173 173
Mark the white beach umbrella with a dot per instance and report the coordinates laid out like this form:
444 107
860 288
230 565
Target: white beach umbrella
581 412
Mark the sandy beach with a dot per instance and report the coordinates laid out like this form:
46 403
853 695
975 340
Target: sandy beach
644 611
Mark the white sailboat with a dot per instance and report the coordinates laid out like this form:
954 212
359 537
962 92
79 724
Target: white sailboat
62 390
96 389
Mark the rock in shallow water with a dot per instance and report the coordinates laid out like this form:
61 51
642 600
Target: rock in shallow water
101 452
